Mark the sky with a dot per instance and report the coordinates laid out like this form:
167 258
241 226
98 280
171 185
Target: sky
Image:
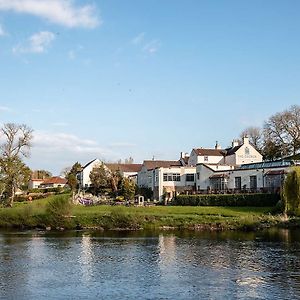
113 79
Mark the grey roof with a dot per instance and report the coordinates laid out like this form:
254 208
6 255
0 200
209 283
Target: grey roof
266 165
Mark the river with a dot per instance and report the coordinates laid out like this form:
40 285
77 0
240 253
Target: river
150 265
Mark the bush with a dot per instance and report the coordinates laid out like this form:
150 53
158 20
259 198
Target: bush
227 200
58 212
291 192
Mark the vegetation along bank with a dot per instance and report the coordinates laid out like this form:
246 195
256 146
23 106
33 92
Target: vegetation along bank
57 212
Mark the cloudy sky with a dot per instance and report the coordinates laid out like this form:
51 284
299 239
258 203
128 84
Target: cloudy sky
113 79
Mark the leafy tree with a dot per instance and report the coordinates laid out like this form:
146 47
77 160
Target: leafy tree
291 192
115 179
145 191
14 174
99 177
71 176
128 188
16 144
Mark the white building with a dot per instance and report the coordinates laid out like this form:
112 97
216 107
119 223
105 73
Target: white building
236 155
166 178
255 177
173 180
126 170
84 175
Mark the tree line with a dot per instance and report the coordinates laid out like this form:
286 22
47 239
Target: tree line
279 137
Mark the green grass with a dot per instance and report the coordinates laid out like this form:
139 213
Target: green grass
112 217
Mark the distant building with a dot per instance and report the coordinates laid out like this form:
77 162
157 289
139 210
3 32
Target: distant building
126 170
51 182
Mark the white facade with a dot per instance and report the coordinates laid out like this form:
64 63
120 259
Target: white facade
35 183
209 157
84 175
235 156
245 154
255 177
172 180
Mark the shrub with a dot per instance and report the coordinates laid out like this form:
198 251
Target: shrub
227 200
58 212
291 192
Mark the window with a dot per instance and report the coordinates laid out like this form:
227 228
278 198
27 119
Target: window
176 177
238 182
190 177
253 182
205 158
171 177
247 151
198 175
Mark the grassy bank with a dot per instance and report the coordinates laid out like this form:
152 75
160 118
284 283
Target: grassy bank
31 215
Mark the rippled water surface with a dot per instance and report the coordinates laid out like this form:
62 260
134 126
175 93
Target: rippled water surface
88 265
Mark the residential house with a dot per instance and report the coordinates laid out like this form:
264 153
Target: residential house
167 178
53 182
126 170
235 155
34 183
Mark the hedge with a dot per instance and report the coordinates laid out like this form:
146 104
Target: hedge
227 200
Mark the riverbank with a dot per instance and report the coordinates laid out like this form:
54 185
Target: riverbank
103 217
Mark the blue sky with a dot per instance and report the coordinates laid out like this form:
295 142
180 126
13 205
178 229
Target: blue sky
113 79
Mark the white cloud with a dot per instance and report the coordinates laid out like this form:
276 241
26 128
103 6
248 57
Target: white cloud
152 46
62 12
138 39
4 108
2 31
57 150
37 43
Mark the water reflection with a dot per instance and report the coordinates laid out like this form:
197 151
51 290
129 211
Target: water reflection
76 265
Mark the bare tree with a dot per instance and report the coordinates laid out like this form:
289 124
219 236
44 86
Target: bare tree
255 136
17 140
283 130
16 144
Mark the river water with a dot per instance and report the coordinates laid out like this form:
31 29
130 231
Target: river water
150 265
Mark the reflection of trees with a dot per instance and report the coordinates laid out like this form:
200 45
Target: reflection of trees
13 266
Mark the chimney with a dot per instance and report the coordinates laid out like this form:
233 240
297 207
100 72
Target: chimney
182 154
235 143
218 147
245 140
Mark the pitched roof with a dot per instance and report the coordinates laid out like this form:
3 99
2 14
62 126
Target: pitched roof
89 163
232 150
55 180
209 152
153 164
124 167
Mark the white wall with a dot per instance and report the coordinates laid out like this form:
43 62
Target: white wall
85 173
204 171
161 184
